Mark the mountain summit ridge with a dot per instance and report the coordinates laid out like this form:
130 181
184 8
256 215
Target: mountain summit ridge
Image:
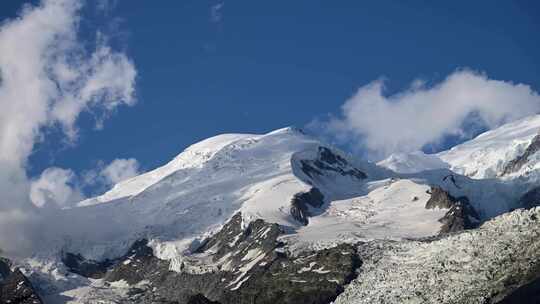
234 203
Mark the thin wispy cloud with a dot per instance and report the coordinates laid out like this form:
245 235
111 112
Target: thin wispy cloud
216 14
120 169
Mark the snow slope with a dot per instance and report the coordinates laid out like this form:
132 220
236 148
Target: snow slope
193 195
486 155
392 209
193 157
480 158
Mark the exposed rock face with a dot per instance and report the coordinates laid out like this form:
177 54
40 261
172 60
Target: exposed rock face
328 161
315 277
139 257
460 216
530 199
87 268
257 236
237 265
440 199
15 288
301 202
5 268
517 163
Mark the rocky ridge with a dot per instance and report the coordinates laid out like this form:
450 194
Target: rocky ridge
460 216
236 265
15 288
517 163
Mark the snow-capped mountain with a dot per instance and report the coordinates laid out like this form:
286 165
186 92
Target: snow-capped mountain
284 218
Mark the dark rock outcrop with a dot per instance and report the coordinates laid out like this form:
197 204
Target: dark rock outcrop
440 199
5 268
15 288
228 236
460 216
301 203
76 263
315 277
329 161
517 163
239 265
135 264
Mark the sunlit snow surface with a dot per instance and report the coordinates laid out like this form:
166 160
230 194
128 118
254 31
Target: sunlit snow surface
393 209
482 157
486 155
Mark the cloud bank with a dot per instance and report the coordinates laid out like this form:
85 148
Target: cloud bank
47 79
62 188
421 115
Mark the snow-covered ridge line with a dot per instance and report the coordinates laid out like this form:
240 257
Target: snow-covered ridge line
193 156
487 155
193 195
483 157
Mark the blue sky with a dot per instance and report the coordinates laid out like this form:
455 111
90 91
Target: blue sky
210 67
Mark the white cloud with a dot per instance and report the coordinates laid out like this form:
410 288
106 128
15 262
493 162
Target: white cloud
47 79
119 170
420 115
55 188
